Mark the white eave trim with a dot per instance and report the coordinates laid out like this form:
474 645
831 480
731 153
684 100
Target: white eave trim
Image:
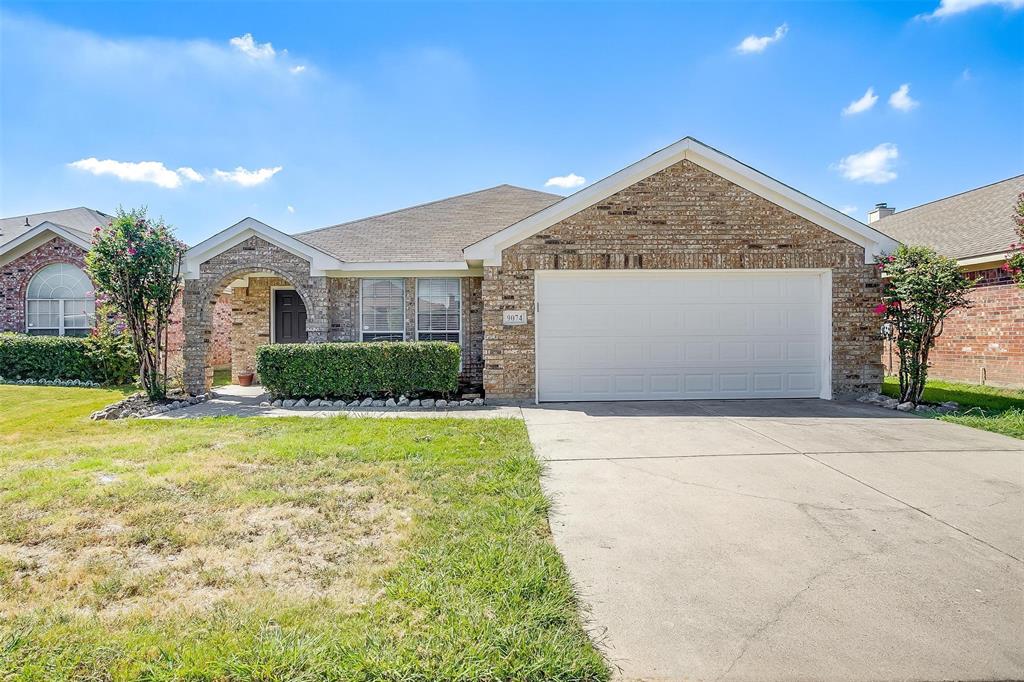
403 265
36 237
489 250
994 259
319 261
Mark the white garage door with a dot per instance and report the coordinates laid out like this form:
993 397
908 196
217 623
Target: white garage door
643 335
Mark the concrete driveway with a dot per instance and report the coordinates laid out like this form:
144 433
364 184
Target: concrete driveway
789 540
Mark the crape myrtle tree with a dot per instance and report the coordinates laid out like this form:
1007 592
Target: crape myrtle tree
135 263
920 289
1014 264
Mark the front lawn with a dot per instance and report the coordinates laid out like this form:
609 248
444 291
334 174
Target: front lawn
982 407
275 549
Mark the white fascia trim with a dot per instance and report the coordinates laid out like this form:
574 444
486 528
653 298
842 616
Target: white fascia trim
403 265
319 261
489 250
36 237
406 272
995 259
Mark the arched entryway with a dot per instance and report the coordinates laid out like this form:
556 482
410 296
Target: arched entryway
260 278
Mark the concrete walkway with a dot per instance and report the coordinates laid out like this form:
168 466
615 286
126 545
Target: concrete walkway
244 401
789 540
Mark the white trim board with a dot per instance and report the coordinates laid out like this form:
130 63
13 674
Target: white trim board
489 250
36 237
319 261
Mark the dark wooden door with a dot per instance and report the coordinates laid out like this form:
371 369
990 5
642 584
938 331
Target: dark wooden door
289 317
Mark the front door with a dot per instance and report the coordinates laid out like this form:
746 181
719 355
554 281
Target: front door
289 317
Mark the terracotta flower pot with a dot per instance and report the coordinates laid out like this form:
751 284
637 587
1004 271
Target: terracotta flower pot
245 379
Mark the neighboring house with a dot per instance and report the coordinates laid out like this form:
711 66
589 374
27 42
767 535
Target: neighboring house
43 286
685 275
984 343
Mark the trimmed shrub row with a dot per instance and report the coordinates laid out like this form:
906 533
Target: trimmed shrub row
46 358
354 370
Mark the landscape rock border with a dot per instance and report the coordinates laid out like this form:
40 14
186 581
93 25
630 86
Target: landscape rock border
66 383
875 398
138 406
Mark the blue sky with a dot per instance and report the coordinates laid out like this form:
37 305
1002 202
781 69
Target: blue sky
305 115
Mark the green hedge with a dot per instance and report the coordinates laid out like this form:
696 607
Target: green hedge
353 370
46 357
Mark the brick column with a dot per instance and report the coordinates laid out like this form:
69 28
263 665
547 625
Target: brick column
317 324
196 376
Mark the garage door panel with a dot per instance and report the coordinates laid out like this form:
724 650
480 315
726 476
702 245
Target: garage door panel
637 335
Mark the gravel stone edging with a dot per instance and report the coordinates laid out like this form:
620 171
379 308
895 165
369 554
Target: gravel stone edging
138 406
875 398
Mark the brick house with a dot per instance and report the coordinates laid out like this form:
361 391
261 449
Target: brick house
983 344
44 289
685 275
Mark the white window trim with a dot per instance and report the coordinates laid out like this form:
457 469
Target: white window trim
417 313
62 329
60 317
359 322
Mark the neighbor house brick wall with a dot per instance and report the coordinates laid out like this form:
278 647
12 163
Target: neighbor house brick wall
683 217
983 343
15 276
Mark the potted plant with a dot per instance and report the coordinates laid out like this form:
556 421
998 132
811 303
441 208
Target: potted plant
245 378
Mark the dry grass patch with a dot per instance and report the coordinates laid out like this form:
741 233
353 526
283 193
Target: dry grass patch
283 549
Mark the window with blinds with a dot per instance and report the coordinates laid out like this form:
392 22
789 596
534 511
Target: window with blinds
382 309
439 309
60 302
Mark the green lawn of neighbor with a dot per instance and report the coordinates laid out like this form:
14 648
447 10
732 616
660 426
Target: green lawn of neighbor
276 549
982 407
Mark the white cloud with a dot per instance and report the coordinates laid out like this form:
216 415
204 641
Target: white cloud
874 165
251 49
966 75
948 8
863 104
753 44
566 181
298 69
291 209
848 209
191 174
247 178
154 172
901 99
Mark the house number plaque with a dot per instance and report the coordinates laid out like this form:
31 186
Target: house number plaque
513 318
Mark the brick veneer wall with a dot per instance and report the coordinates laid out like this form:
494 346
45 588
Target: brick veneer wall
683 217
250 315
220 354
14 277
250 322
983 343
252 255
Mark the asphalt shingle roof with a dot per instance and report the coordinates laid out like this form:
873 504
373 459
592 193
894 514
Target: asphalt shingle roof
436 231
974 223
80 220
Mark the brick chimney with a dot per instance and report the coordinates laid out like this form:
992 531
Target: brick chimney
881 211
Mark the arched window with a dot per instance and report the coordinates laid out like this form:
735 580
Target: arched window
60 302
